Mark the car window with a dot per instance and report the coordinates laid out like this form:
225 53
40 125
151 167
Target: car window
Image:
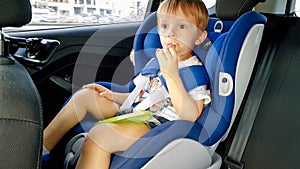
56 13
209 3
90 11
297 8
65 13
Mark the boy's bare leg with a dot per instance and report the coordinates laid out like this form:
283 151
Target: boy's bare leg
105 139
85 100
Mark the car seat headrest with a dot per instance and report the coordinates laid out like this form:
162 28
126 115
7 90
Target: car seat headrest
232 9
14 13
151 43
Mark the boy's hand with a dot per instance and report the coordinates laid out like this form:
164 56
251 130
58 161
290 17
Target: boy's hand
107 94
118 98
96 87
103 91
168 60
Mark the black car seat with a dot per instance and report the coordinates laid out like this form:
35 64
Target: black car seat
20 104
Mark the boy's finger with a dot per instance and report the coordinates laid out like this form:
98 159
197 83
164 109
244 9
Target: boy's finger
107 95
160 55
88 86
100 88
173 52
166 53
96 87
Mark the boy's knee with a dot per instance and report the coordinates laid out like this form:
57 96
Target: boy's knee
87 145
83 95
80 93
101 133
99 130
87 141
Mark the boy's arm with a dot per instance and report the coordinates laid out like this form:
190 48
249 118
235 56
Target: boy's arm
116 97
185 106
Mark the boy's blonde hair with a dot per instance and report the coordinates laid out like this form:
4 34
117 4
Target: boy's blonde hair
191 7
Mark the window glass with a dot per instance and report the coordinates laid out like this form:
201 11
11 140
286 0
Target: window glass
297 8
209 3
62 13
84 12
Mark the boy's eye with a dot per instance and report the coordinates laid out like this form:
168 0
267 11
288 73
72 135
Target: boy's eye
164 26
182 26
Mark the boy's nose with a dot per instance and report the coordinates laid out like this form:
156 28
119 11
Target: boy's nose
171 34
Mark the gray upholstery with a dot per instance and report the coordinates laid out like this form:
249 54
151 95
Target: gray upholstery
14 13
232 9
20 119
21 125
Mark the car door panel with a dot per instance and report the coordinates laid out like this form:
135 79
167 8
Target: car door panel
86 54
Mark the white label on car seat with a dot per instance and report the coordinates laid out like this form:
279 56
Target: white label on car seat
225 84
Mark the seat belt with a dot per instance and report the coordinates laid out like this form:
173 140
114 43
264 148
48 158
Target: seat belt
238 145
153 98
139 82
189 75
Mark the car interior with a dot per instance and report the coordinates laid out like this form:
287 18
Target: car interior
250 56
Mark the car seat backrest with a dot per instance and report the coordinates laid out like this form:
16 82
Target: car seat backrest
229 64
14 13
21 109
232 9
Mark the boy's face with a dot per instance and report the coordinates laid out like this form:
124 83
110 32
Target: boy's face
179 31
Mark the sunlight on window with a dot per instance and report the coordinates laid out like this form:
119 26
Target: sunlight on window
297 8
61 13
77 12
209 3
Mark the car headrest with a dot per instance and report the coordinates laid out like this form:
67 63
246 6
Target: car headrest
14 13
232 9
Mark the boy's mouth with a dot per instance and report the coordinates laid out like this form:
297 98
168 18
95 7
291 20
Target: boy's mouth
173 45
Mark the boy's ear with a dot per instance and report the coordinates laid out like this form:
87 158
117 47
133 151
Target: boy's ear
201 38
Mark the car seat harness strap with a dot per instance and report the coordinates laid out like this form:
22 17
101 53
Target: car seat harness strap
192 77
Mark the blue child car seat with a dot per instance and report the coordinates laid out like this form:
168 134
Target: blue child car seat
229 62
222 62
